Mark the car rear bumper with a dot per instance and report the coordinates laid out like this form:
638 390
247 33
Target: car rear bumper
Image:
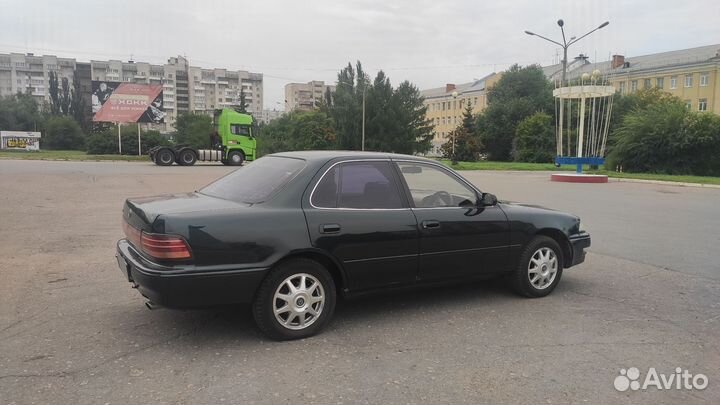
171 288
579 243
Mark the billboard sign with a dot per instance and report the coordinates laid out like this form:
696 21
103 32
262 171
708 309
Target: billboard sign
19 140
127 102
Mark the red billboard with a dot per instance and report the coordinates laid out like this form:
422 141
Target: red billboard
127 102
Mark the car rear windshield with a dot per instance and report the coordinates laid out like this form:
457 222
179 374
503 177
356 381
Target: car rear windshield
257 181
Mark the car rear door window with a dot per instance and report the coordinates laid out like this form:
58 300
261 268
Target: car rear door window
432 187
257 181
358 185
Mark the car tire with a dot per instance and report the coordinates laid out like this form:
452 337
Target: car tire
164 157
236 158
187 157
302 311
539 269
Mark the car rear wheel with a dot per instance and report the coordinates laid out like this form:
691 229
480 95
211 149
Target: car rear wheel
540 267
236 158
164 157
296 300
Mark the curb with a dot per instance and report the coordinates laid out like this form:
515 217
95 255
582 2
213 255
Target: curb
664 183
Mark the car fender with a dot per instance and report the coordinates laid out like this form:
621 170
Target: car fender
333 265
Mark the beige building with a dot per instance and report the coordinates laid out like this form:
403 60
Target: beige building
690 74
445 106
305 96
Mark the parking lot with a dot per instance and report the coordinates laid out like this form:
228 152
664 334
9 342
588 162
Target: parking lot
73 331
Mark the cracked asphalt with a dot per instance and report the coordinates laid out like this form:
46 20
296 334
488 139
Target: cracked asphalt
73 331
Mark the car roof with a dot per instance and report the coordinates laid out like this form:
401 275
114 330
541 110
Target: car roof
327 155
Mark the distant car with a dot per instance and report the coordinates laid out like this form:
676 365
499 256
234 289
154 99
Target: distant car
291 231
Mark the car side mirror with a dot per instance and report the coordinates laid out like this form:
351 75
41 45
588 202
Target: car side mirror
488 199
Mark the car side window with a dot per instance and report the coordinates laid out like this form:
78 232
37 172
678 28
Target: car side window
431 187
359 185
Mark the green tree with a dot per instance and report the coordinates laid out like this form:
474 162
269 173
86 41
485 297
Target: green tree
702 151
328 96
347 106
79 110
463 140
65 97
62 133
19 112
664 137
394 117
298 130
520 92
535 139
416 131
54 90
651 139
242 107
194 130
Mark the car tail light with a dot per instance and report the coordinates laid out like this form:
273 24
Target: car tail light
165 247
132 234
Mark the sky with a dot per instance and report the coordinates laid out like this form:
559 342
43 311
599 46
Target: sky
429 43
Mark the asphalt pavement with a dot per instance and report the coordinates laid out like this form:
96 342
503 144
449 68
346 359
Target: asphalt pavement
73 331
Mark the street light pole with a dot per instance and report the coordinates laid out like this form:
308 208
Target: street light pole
565 45
454 159
362 146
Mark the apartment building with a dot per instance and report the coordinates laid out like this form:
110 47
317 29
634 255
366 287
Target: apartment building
445 106
27 73
186 88
305 96
690 74
267 115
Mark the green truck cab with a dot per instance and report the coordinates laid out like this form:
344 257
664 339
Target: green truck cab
234 143
236 134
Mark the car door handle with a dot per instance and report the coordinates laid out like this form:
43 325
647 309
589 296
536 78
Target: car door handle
429 224
329 228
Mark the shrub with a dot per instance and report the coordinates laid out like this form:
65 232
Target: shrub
666 138
105 142
535 139
62 133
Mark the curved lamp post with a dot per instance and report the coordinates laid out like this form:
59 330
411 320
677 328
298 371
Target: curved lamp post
565 44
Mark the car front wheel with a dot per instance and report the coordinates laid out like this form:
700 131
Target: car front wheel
540 267
296 300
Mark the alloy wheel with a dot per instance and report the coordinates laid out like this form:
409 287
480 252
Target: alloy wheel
298 301
542 268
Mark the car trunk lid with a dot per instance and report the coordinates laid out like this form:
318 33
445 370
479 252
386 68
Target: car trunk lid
142 212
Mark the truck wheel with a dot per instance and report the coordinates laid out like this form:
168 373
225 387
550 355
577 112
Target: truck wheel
187 157
296 300
164 157
236 158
